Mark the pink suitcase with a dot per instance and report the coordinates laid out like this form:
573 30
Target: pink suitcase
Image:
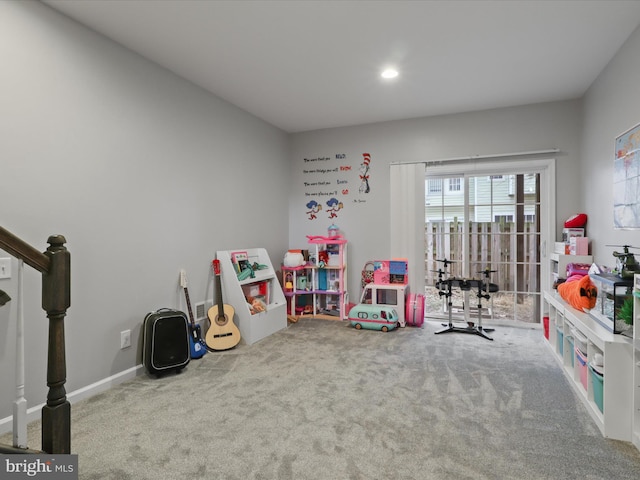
414 310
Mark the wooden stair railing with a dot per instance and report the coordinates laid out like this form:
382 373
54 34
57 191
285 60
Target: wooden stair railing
55 266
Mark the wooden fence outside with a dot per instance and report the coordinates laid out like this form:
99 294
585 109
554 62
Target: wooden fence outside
492 245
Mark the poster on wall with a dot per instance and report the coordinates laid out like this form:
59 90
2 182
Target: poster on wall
333 182
626 180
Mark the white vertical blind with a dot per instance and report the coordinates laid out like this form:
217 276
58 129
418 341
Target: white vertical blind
407 219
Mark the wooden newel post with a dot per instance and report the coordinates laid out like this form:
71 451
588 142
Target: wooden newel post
56 299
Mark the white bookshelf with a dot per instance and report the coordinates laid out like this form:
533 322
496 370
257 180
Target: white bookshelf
253 327
617 350
636 362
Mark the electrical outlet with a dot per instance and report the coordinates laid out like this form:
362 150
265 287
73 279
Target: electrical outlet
125 339
5 267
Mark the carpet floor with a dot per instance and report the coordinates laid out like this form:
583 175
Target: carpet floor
321 400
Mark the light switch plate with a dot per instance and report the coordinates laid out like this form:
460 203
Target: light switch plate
5 267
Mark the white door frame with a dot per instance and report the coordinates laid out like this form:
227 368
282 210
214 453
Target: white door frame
546 167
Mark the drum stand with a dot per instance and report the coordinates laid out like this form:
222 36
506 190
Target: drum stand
477 329
466 285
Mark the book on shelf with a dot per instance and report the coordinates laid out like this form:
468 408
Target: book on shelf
240 261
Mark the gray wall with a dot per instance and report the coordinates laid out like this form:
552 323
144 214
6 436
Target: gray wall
142 172
507 130
611 106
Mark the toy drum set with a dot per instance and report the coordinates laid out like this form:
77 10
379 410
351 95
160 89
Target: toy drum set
482 287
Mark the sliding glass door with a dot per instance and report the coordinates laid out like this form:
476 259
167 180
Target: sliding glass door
489 221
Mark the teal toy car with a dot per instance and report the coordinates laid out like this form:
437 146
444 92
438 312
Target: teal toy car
373 317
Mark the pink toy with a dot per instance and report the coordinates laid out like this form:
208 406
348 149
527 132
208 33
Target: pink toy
414 313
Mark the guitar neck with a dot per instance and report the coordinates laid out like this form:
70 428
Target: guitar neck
219 302
218 284
186 296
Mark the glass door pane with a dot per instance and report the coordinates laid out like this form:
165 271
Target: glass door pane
480 223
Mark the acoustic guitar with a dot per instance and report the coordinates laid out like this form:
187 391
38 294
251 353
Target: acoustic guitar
197 346
223 334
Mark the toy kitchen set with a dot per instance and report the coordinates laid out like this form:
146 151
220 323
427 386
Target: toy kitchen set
614 304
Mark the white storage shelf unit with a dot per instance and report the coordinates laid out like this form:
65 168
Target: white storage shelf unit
615 419
636 361
559 263
260 325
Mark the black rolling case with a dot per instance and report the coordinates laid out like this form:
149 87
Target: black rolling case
165 341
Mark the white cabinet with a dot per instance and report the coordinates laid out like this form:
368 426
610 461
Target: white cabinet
559 264
636 361
263 285
566 326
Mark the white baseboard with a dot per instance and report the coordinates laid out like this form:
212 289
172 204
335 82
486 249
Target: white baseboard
34 413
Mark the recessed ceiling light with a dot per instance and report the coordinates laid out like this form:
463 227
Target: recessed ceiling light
389 73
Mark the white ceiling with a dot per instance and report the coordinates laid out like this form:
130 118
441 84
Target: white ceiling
306 65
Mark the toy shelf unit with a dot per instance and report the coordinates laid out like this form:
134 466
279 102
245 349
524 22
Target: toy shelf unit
597 362
559 264
636 361
257 298
613 291
298 289
318 288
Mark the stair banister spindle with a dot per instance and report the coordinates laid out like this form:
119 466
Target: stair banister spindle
55 266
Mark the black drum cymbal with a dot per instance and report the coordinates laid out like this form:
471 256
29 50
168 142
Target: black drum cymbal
486 272
446 261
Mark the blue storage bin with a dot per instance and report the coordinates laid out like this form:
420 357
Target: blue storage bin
571 348
560 340
597 381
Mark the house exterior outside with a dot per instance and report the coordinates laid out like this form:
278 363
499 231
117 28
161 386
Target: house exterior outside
491 199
